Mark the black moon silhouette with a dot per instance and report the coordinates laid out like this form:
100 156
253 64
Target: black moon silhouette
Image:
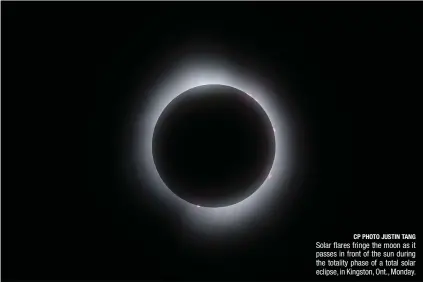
213 146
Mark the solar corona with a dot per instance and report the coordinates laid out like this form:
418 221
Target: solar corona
183 76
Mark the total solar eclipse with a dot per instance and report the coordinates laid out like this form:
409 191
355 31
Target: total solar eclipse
213 145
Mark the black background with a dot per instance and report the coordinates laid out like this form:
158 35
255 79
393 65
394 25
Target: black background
67 70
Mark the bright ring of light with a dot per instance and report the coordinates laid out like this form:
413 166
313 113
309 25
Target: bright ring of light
189 74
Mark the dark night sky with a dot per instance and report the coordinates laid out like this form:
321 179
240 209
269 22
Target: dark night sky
67 74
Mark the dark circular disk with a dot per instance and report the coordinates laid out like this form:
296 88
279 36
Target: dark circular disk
213 145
